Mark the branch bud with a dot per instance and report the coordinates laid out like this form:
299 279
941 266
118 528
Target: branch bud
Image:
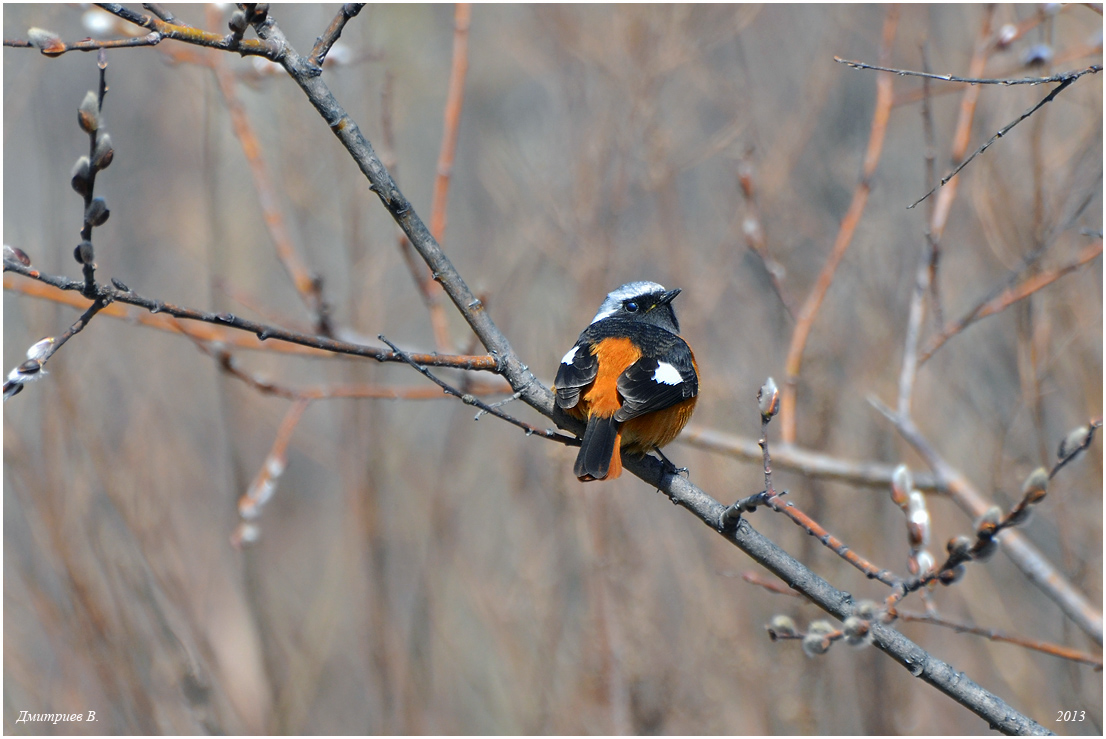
768 399
97 212
857 631
781 627
40 349
11 252
1073 441
989 521
818 638
45 41
103 154
959 548
237 22
88 115
81 178
902 482
1036 486
984 549
84 253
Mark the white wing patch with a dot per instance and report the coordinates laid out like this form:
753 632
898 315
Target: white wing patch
568 358
667 374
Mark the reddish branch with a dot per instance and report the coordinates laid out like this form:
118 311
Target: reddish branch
1010 296
262 331
813 303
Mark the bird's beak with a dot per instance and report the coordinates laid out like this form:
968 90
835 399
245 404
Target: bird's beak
669 296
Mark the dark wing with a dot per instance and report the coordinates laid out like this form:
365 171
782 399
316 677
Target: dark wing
578 370
652 384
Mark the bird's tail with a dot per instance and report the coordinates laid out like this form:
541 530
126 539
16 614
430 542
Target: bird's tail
600 457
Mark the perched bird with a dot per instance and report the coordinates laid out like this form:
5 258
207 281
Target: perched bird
630 376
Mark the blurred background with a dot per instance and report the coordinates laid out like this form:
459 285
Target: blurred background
418 572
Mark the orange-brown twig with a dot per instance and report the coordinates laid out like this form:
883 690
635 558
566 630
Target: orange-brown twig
962 136
1036 567
455 98
264 483
1056 650
223 327
305 283
773 586
228 364
813 303
1010 296
57 47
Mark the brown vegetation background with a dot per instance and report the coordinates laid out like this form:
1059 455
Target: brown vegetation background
419 572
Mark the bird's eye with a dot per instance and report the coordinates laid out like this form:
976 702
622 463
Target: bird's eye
630 306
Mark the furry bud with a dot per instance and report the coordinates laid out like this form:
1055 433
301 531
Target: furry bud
768 399
88 115
45 41
81 177
84 253
97 212
103 154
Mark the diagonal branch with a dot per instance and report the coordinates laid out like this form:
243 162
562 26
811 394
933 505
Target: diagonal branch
809 311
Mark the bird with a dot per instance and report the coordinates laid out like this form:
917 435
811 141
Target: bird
630 376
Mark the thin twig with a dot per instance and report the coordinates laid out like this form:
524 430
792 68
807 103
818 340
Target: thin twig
752 230
1067 455
1034 565
1062 77
152 39
229 364
264 482
187 34
1056 650
455 97
803 461
845 232
163 13
961 137
262 331
1001 132
992 304
307 285
469 399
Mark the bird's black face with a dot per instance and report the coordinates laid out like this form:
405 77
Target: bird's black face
653 307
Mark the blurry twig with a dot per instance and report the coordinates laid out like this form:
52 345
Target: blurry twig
307 285
926 274
455 97
754 578
1075 444
1034 565
813 302
796 459
997 303
470 399
262 331
752 229
1056 650
229 364
265 481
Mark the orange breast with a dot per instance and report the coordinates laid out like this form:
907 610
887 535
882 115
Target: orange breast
641 434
